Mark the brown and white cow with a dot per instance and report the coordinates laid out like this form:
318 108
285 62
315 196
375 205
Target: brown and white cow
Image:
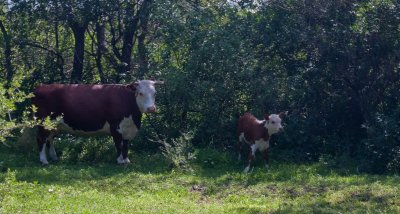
110 109
256 133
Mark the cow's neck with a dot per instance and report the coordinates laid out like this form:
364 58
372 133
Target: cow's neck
138 120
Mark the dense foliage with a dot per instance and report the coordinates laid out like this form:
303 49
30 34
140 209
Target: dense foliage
334 65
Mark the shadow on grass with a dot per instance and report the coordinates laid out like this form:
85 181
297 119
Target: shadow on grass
212 168
227 172
349 204
27 167
355 199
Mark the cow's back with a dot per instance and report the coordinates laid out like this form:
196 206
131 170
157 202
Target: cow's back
252 128
85 107
48 99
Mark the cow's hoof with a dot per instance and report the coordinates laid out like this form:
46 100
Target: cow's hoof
266 166
120 160
45 163
123 161
127 161
54 158
247 169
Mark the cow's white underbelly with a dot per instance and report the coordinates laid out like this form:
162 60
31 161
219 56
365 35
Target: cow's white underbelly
126 128
261 144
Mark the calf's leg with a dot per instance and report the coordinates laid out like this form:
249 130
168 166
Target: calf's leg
250 159
239 148
266 157
241 141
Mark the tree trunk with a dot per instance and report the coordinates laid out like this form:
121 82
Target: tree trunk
8 55
142 52
101 47
59 60
79 53
127 46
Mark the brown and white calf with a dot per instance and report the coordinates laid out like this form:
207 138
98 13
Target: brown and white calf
257 133
110 109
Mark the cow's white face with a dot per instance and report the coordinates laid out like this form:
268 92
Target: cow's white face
145 95
274 123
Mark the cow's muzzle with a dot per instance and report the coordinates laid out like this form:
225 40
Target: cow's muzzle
151 109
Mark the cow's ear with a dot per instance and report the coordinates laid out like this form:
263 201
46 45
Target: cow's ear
133 86
282 115
266 116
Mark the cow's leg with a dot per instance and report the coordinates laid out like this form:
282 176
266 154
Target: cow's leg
118 145
41 136
125 151
122 147
50 147
266 157
250 159
128 130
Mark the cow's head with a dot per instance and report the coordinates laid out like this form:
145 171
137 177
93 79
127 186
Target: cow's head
145 95
273 122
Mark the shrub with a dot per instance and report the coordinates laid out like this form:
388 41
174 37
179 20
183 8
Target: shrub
179 151
382 148
79 149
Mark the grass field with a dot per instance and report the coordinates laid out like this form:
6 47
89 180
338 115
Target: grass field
216 185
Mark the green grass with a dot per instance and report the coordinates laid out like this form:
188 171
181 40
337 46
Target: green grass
216 185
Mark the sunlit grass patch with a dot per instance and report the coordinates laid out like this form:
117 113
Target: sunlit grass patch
215 185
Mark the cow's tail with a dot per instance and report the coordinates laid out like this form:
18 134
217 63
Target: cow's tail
27 139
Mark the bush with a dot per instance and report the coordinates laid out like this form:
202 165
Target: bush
179 151
80 149
382 148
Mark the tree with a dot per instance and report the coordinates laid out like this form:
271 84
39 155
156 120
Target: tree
7 46
125 21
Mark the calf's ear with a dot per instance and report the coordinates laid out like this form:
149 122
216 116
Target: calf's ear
283 114
266 116
156 82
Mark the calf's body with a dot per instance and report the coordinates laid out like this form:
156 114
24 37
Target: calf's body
256 134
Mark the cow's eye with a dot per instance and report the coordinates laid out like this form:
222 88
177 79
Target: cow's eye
140 94
273 122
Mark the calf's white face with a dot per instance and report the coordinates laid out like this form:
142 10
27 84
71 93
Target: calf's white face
273 124
145 95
